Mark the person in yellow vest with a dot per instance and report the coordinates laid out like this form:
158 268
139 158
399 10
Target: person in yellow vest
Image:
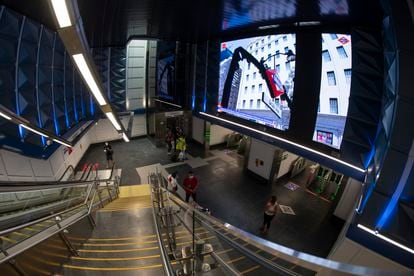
181 147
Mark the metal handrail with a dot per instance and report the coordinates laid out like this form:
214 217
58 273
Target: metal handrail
88 169
167 264
25 186
164 256
15 228
88 208
299 258
227 267
66 170
3 232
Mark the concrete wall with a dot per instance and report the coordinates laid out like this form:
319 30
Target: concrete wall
198 130
356 254
349 198
262 152
286 163
16 167
218 134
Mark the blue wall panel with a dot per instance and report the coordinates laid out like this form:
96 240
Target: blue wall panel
38 82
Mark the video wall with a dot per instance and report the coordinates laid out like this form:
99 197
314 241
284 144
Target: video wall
335 88
166 77
257 79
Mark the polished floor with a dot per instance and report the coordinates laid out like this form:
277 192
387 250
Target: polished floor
236 196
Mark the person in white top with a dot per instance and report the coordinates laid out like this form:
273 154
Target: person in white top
269 213
172 182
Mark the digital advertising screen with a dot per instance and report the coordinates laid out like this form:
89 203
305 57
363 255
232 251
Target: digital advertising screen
165 77
257 79
335 88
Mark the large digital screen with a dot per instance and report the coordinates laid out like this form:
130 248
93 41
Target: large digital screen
257 79
166 77
335 88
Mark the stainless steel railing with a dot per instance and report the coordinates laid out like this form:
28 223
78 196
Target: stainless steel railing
248 244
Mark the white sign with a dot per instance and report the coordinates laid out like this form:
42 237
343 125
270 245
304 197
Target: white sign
269 102
173 113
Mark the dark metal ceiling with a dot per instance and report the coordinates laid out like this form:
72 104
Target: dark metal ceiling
110 22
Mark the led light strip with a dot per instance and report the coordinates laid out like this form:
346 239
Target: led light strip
377 234
5 116
111 118
125 137
87 76
176 105
62 143
285 141
35 131
61 12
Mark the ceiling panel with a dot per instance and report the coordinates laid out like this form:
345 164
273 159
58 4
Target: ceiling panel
110 22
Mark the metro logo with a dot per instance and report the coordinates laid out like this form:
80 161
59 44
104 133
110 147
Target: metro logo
343 40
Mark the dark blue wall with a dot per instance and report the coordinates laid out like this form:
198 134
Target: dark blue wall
37 82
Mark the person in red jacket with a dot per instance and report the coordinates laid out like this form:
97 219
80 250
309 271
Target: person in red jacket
190 185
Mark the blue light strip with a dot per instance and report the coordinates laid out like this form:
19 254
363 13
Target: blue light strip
64 91
75 109
91 105
205 80
55 120
398 191
21 131
39 112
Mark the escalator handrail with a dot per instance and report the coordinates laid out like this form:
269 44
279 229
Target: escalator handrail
66 170
303 259
88 195
91 183
26 186
88 169
88 212
30 223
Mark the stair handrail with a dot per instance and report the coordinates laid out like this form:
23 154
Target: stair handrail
164 255
299 258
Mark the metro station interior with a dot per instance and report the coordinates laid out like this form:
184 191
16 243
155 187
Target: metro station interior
157 137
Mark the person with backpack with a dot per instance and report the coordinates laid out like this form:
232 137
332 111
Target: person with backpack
269 213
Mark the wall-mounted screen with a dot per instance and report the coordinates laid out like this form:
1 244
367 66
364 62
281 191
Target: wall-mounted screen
257 79
166 77
335 87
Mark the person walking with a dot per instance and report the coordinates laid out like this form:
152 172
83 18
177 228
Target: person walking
109 154
172 182
190 186
181 147
169 139
269 213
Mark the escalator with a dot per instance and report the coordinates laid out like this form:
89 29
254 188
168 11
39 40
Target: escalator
38 215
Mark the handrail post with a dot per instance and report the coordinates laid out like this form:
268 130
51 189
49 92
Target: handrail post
16 267
99 194
68 244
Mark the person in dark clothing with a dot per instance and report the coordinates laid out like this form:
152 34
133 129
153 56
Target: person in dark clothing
109 154
169 139
190 186
269 213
